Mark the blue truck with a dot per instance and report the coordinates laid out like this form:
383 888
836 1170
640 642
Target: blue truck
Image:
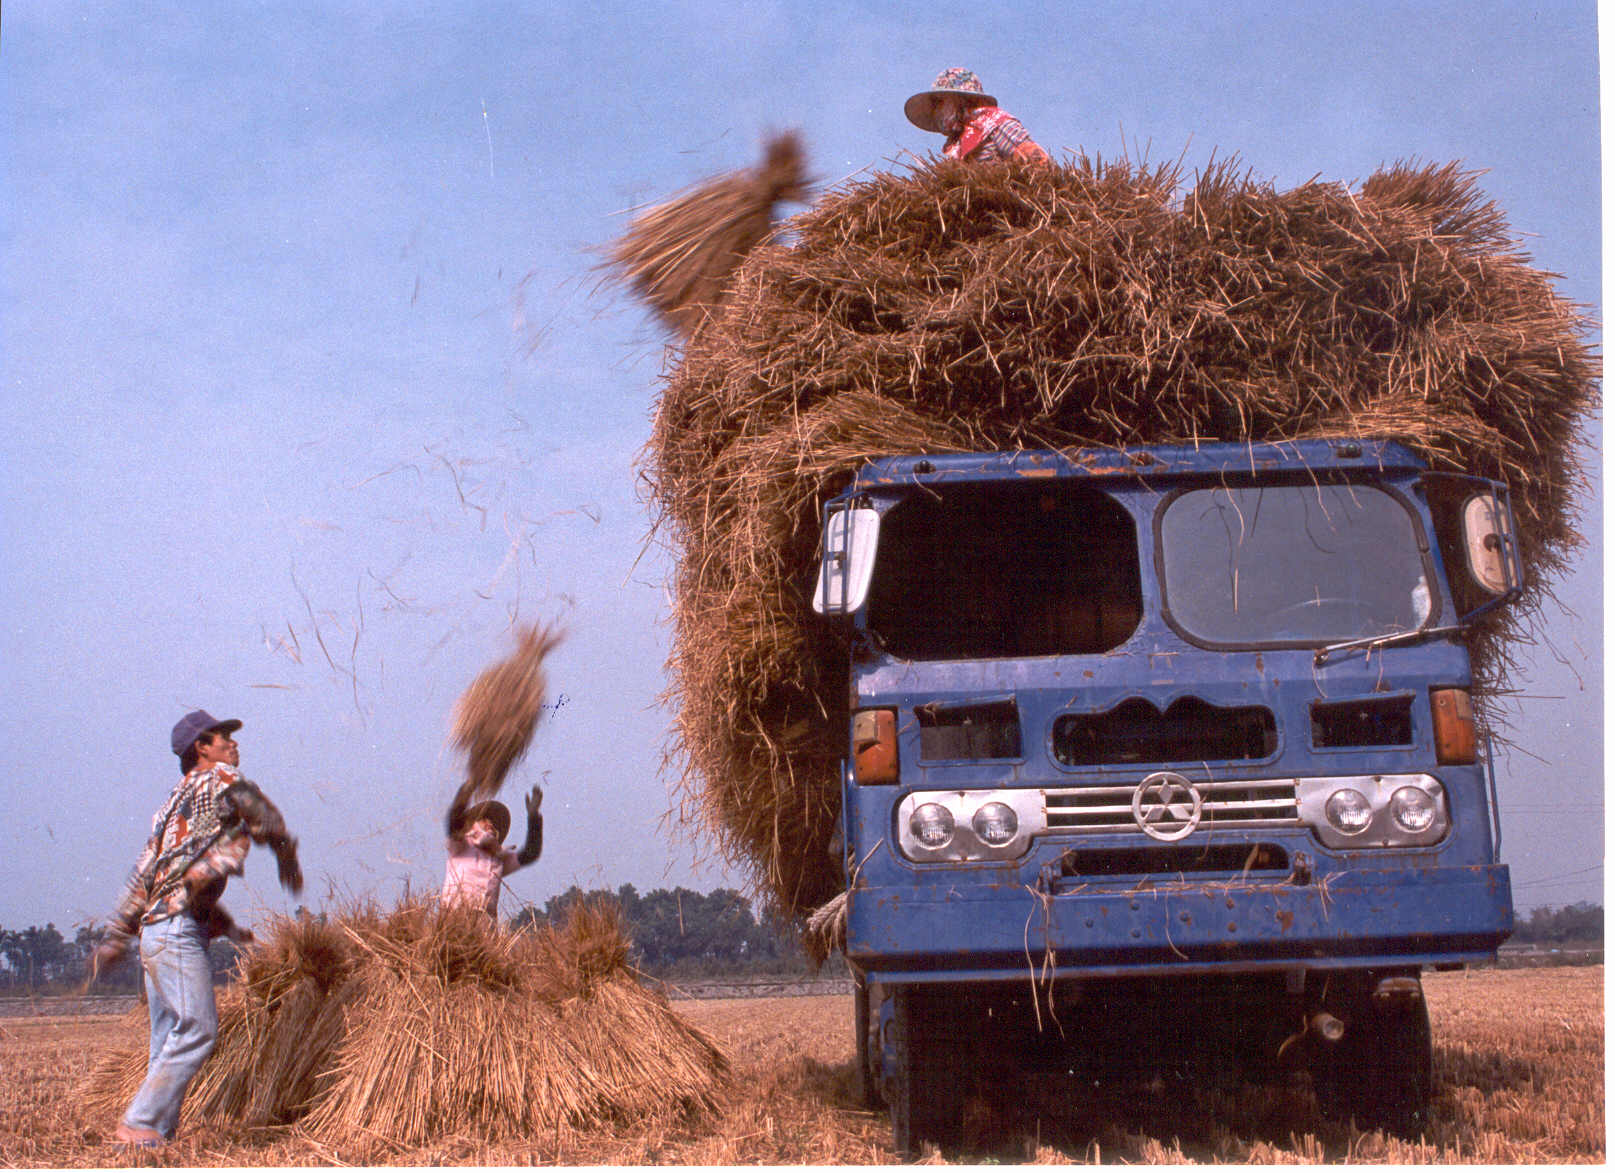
1163 759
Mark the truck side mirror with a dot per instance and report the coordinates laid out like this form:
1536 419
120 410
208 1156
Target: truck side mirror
846 559
1489 543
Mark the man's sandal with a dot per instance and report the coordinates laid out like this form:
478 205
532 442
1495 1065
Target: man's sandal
138 1138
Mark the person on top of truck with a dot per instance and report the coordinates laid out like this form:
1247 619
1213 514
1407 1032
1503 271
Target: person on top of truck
976 129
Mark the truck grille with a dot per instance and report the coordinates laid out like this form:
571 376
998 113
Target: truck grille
1264 802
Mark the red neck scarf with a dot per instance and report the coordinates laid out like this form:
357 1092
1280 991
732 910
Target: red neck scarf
983 121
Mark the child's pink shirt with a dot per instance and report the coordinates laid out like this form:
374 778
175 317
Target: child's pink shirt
474 874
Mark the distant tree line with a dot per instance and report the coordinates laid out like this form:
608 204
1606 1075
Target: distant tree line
41 961
35 957
1581 923
684 933
677 933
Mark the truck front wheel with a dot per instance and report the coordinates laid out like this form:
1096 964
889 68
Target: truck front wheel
932 1069
1381 1074
865 1044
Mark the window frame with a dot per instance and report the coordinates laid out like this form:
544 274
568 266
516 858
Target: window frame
1421 533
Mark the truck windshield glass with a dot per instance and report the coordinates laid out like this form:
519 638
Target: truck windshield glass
976 572
1313 563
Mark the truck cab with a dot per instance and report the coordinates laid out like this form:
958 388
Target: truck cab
1168 730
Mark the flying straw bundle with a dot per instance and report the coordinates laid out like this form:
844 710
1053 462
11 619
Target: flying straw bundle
969 308
429 1022
495 717
679 255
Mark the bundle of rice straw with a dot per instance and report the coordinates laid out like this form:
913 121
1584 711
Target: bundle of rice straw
679 255
825 931
968 308
495 717
279 1024
422 1023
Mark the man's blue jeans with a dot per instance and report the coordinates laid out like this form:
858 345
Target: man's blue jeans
184 1019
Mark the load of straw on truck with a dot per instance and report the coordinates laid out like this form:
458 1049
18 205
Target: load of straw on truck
960 308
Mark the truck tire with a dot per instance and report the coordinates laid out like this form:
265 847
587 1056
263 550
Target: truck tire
1400 1103
928 1099
1381 1074
866 1089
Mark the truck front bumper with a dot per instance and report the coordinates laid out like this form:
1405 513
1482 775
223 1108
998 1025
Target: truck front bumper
1360 918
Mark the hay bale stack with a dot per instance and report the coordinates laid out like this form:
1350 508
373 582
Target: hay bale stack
288 1017
422 1023
678 255
961 308
495 717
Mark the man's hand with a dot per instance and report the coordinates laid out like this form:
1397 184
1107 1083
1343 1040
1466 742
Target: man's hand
535 830
105 956
262 820
291 872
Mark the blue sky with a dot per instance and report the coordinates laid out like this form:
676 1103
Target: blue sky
302 343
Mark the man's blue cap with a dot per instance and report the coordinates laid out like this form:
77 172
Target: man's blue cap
193 725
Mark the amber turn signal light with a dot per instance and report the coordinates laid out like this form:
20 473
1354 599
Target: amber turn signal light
874 746
1454 714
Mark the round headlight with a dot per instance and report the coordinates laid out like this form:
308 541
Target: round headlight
995 824
931 825
1349 812
1413 809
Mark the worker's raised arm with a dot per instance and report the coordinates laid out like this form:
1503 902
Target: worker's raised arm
534 846
454 822
262 820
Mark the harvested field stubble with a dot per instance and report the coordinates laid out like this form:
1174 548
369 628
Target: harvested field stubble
1519 1079
964 308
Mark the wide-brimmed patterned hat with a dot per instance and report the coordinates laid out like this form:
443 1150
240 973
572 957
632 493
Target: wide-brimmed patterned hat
496 813
960 83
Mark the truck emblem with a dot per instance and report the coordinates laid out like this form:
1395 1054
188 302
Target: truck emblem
1166 806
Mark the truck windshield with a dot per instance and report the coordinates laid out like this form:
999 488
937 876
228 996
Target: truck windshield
1277 564
977 572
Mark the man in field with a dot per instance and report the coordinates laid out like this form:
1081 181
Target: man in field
975 128
199 839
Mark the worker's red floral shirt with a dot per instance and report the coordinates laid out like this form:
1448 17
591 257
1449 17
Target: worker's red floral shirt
990 135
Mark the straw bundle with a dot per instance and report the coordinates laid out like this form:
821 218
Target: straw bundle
426 1022
968 308
495 717
279 1023
679 255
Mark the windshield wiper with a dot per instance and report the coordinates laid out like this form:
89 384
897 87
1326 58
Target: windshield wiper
1374 641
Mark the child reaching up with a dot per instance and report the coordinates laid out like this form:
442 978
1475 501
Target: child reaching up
478 859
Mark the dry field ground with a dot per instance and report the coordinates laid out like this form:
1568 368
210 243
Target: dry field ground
1519 1075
